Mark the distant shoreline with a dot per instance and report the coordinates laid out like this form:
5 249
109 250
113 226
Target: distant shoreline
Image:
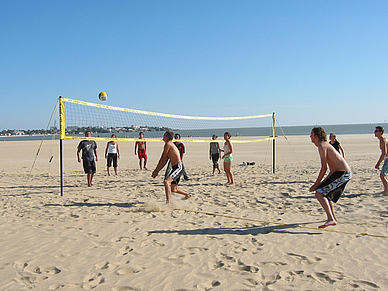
339 129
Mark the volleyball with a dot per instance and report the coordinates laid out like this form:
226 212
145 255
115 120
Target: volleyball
102 96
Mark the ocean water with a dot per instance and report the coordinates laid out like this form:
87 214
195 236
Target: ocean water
339 129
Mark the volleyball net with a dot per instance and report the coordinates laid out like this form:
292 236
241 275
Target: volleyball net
77 117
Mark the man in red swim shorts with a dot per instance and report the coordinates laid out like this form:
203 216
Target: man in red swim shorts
142 147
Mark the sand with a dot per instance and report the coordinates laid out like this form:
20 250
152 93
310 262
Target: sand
260 234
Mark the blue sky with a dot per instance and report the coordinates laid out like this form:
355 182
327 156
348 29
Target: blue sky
310 62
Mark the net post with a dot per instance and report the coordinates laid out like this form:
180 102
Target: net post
273 143
61 135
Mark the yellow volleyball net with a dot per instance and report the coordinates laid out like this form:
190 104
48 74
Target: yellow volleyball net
77 117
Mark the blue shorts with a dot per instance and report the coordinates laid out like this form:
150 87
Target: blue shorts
334 185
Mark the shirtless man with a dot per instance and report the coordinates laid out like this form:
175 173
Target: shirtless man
330 189
142 148
171 152
383 157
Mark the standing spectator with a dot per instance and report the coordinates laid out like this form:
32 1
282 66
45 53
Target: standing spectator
89 151
335 143
214 154
142 151
228 158
112 153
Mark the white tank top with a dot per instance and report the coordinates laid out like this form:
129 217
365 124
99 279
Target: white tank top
226 149
112 149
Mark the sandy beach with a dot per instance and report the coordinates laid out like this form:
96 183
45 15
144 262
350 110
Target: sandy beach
260 234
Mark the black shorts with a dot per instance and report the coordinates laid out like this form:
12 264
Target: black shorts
89 166
334 185
112 158
176 173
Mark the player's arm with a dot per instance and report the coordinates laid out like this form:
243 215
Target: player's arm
106 150
95 153
323 156
78 155
136 146
383 153
342 150
162 162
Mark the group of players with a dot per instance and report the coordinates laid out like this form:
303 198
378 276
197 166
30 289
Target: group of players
327 190
112 154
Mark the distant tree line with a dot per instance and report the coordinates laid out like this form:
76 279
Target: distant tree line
80 130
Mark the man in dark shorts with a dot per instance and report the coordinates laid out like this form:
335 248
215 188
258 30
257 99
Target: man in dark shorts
330 189
89 150
182 151
171 152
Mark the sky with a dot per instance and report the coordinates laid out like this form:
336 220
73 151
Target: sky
310 62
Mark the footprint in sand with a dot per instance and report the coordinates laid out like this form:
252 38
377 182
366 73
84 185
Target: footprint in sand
91 281
304 258
102 265
360 283
128 270
28 274
330 276
245 268
250 282
272 263
152 243
122 238
125 288
209 285
124 251
272 279
56 286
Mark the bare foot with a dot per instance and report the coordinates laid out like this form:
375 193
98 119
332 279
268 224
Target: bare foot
188 196
328 223
384 193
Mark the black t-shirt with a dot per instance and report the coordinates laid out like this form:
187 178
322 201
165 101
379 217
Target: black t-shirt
336 145
87 147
